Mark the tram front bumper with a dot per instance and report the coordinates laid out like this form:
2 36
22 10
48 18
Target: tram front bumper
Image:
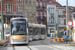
25 41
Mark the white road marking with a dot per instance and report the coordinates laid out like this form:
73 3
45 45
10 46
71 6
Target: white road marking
22 48
54 47
33 48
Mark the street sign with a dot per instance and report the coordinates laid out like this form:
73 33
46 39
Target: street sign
56 31
48 23
67 28
5 25
73 29
69 23
64 36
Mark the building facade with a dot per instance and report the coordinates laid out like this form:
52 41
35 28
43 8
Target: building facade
61 17
41 12
12 8
55 16
51 17
30 10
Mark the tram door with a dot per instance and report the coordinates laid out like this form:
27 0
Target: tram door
30 33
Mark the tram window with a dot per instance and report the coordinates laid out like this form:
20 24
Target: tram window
42 30
35 31
18 29
30 31
38 30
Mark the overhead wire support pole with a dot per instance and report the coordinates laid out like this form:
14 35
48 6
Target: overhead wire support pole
58 21
57 25
67 16
2 20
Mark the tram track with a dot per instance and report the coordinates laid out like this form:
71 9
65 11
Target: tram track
29 47
13 47
20 45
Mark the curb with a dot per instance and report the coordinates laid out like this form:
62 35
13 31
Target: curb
5 42
50 38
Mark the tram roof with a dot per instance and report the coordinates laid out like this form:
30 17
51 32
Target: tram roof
19 18
43 26
30 24
37 25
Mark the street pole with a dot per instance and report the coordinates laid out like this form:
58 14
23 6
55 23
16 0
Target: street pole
57 21
2 19
57 26
67 16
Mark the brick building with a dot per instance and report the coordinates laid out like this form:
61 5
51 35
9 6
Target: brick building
71 12
12 8
41 12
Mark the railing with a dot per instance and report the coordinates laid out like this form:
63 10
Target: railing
41 7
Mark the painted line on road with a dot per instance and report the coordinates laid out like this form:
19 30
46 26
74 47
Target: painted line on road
33 48
61 45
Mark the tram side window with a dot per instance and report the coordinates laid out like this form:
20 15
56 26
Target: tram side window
35 31
42 30
38 30
30 31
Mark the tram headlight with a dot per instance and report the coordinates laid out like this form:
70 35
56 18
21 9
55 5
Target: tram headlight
26 36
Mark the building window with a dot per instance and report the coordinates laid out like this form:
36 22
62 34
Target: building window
37 14
8 7
19 8
26 3
30 14
49 10
60 12
45 13
40 3
49 18
20 0
36 3
50 1
33 3
52 19
34 14
29 3
61 21
41 14
26 14
44 3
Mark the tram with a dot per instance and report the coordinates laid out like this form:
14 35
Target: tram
37 31
19 31
22 32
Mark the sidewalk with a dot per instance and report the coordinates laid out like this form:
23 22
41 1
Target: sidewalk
3 42
50 37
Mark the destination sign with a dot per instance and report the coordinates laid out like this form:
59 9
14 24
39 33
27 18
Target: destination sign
18 22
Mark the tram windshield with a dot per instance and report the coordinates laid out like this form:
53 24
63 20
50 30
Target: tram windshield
18 27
